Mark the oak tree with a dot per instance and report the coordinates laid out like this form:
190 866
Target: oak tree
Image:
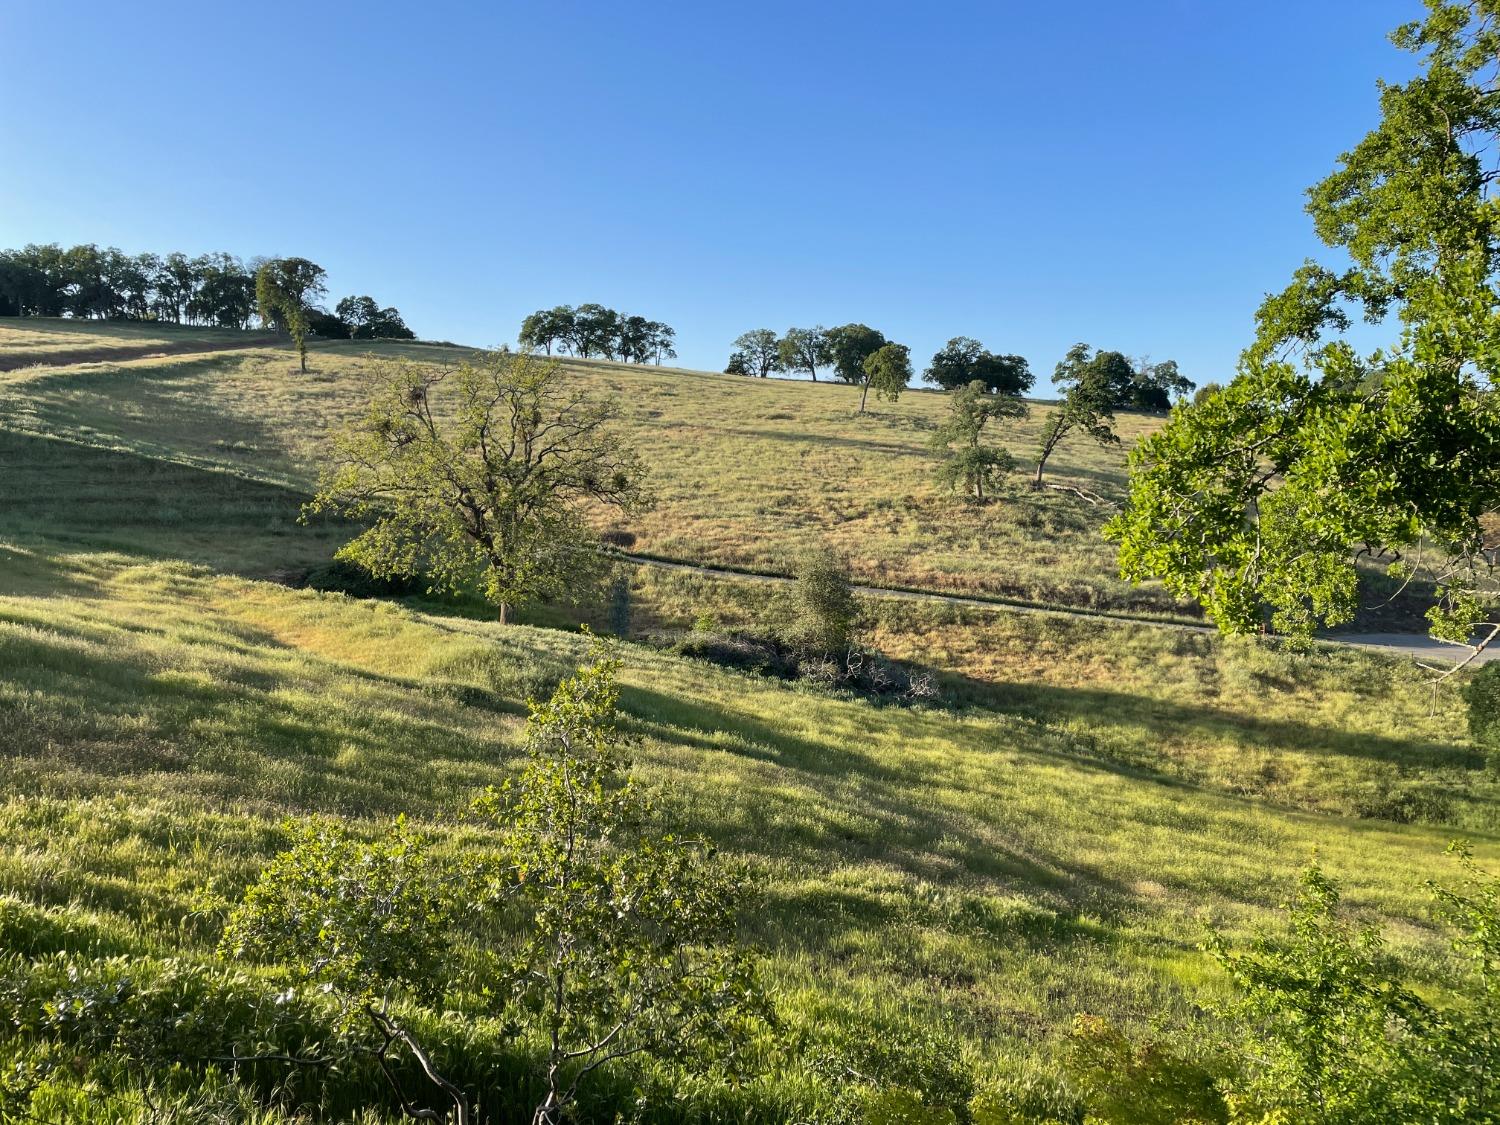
479 476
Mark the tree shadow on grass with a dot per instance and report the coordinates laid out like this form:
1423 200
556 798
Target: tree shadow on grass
60 493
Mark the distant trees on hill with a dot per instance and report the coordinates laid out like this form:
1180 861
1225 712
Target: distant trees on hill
214 290
592 330
1126 384
964 360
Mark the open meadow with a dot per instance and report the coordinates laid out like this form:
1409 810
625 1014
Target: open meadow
1046 837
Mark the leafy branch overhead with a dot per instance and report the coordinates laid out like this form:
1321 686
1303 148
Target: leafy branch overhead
1262 500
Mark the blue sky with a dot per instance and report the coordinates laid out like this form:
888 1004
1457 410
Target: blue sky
1126 174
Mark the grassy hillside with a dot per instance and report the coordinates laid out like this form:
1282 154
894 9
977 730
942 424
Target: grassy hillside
985 872
32 340
746 470
1047 841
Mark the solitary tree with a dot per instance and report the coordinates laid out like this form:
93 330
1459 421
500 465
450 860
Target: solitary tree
759 347
1263 498
1087 405
488 491
887 372
967 461
964 360
804 349
848 347
824 609
285 290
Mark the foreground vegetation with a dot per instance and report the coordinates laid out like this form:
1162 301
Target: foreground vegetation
921 869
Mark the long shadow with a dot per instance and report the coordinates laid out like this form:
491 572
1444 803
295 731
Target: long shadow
59 492
893 828
1054 703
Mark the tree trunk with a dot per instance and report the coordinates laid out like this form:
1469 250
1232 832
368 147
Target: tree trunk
1041 463
504 613
864 394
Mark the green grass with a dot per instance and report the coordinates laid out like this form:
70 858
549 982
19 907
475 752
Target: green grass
982 869
1048 844
37 339
747 471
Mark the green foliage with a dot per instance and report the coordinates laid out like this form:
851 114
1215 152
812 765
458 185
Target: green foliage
849 345
627 941
1330 1034
488 494
824 608
86 282
1482 697
591 330
365 320
804 349
1140 1082
285 291
887 372
966 461
358 916
1093 385
760 350
1264 496
963 361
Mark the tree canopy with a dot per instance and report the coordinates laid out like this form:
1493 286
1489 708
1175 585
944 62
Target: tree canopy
592 330
964 360
804 349
1261 499
761 351
89 283
488 492
887 373
848 347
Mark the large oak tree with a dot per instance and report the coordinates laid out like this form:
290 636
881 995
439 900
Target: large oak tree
1261 499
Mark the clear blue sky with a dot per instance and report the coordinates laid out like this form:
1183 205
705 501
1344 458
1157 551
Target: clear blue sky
1127 174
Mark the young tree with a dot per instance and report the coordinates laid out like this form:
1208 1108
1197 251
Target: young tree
887 372
1087 405
963 361
966 460
760 348
491 495
627 944
804 349
849 345
1263 498
619 932
373 922
739 364
285 291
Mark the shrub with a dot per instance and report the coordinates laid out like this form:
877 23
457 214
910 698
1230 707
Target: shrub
823 605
